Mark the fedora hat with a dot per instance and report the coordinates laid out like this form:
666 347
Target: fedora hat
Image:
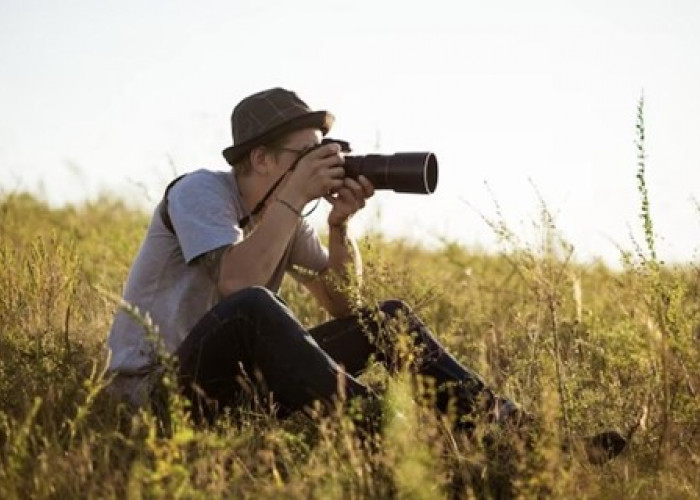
267 116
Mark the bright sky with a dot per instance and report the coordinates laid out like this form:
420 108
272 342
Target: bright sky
515 98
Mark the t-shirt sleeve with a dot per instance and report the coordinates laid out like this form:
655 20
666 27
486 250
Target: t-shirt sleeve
203 214
308 256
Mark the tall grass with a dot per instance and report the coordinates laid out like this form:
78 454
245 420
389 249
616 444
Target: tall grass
583 347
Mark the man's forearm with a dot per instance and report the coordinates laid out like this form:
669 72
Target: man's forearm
260 252
344 269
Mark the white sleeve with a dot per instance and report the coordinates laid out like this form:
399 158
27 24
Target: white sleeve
203 214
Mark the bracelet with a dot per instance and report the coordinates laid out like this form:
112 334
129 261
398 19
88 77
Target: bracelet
289 206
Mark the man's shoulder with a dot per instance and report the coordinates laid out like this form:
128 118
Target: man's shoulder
205 179
202 198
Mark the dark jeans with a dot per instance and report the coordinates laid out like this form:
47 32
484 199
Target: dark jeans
250 343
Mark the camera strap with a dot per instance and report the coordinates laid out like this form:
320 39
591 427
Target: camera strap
243 222
261 204
163 208
345 148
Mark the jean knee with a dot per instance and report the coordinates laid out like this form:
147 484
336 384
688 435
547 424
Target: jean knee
395 307
252 297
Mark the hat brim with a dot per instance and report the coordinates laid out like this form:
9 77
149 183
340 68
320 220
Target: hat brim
322 120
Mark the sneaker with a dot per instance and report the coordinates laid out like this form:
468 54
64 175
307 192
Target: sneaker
603 446
599 448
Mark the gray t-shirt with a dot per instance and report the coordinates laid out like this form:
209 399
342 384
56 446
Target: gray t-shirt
172 286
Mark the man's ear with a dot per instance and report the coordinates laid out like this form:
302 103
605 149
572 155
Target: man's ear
260 160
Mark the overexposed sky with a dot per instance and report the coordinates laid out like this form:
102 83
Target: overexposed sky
515 98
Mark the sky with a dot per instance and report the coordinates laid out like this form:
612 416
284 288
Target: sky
524 104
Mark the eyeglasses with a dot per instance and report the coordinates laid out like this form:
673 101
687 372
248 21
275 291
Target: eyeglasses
299 152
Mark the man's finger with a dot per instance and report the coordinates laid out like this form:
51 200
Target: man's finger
337 172
367 186
355 187
345 194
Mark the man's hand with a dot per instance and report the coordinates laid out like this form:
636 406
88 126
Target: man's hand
318 173
348 199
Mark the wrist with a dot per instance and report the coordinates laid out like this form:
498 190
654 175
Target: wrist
338 226
293 198
338 232
289 206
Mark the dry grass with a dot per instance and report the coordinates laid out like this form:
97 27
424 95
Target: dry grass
583 347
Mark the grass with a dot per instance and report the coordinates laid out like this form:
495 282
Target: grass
584 347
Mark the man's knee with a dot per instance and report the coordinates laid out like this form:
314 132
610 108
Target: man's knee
252 297
395 308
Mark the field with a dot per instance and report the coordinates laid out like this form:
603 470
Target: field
583 347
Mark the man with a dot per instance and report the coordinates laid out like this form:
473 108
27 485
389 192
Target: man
214 257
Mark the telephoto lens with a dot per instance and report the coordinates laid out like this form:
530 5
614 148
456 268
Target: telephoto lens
403 172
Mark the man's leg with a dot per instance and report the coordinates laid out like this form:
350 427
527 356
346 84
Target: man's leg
252 335
352 341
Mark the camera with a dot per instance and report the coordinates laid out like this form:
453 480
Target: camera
402 172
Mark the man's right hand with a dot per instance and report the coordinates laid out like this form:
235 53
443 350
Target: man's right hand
317 174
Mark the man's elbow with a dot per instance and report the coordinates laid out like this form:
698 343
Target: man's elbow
233 278
229 286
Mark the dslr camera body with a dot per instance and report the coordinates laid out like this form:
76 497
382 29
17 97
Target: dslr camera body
402 172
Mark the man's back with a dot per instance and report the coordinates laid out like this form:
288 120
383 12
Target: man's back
164 281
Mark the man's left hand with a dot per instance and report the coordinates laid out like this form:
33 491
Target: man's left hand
348 199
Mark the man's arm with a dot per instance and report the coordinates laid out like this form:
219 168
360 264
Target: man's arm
333 286
344 261
252 261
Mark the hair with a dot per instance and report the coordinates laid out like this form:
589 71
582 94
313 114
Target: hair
244 166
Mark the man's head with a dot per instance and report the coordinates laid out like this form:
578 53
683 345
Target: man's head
265 119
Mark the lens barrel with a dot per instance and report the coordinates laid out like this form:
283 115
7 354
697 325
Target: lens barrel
402 172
